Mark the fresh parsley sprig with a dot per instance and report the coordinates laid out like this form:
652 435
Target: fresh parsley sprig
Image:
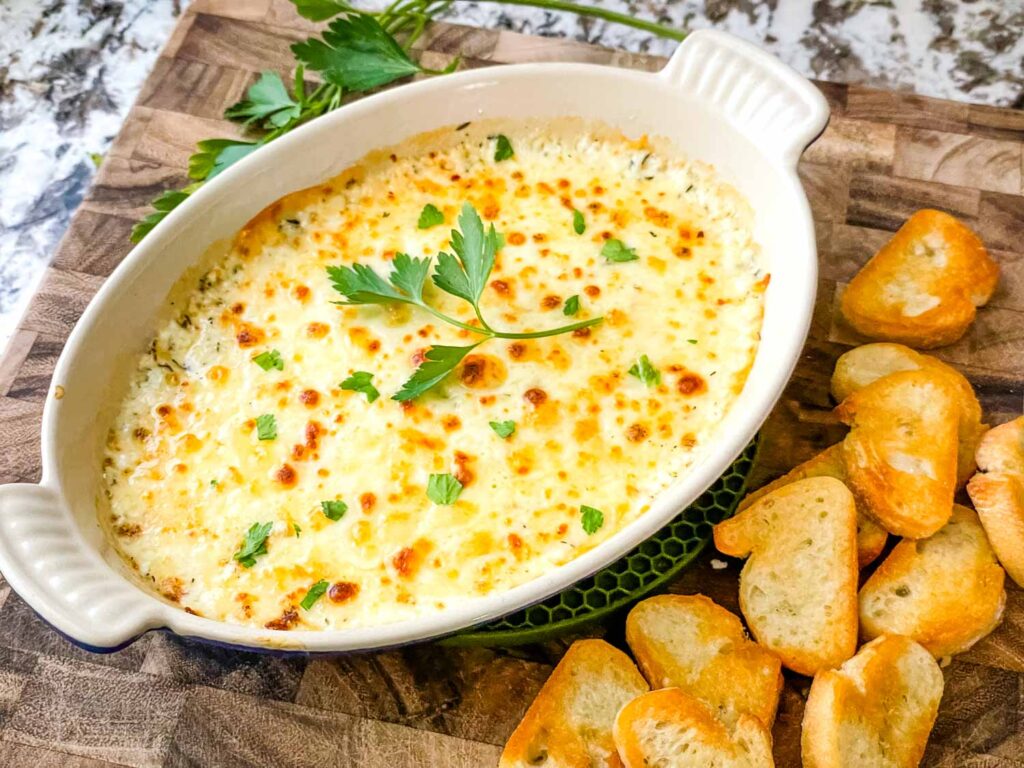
462 273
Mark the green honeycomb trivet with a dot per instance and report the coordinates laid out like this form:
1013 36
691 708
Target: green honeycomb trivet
643 570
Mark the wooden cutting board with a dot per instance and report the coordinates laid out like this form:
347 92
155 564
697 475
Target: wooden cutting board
168 702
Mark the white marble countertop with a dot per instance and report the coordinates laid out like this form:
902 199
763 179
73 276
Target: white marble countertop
70 69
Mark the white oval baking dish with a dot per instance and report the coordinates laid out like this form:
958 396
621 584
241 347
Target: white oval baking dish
719 100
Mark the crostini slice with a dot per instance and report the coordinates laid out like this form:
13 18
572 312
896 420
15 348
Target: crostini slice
871 537
901 452
945 592
923 286
876 710
689 642
998 494
798 588
670 728
866 364
569 724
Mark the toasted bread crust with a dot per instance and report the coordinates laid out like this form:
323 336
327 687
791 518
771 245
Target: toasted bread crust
871 537
945 592
866 364
922 287
998 494
571 719
877 709
798 589
901 452
689 642
649 729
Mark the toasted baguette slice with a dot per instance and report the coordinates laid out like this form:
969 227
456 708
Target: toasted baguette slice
876 711
871 537
922 287
998 494
569 724
863 365
689 642
798 590
945 592
901 450
672 729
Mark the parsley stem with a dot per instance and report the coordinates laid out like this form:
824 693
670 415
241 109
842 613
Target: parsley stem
653 27
456 323
552 332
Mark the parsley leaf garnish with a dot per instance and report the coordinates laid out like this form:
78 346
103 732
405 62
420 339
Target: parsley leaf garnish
266 102
315 593
356 53
462 273
503 429
591 519
254 544
268 360
430 217
644 370
216 155
502 148
162 205
266 426
572 306
438 362
361 381
443 489
334 510
318 10
579 225
616 251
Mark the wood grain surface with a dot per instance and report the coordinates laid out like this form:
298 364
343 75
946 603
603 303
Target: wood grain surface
165 701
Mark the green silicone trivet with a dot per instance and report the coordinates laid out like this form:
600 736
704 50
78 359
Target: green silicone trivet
643 570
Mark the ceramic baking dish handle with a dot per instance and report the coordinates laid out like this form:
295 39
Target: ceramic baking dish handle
754 90
45 560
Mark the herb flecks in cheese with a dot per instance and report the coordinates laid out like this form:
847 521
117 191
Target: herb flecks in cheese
586 431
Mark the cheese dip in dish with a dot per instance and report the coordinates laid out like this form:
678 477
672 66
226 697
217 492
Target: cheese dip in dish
352 416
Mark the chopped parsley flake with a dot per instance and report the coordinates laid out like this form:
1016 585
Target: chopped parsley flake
269 360
297 529
644 370
691 341
616 251
572 306
579 225
360 381
334 510
430 217
266 426
503 429
592 519
502 148
443 489
254 545
315 593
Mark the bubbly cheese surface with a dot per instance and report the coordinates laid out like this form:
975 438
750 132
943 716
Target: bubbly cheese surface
186 474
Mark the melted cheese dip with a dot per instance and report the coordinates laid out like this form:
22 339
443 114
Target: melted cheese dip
186 474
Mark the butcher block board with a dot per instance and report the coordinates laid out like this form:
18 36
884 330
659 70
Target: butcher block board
164 701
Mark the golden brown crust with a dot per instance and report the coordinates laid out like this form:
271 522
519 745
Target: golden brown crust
901 453
866 364
877 709
871 537
673 728
798 589
689 642
945 592
922 287
570 721
998 494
